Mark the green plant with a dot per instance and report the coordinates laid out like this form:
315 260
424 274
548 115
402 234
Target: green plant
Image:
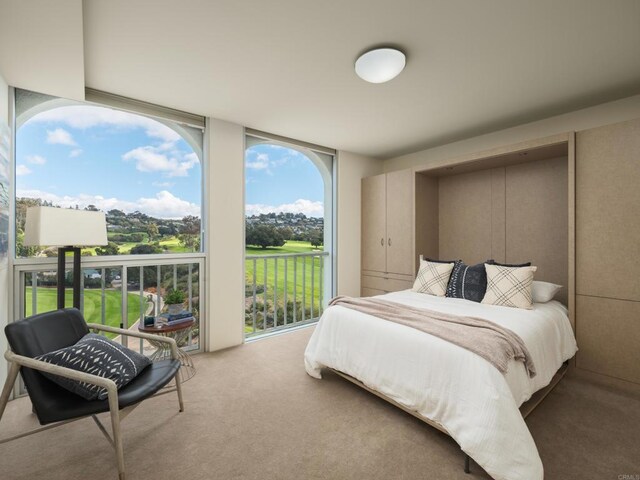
175 297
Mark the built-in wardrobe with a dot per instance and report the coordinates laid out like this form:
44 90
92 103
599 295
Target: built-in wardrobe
569 203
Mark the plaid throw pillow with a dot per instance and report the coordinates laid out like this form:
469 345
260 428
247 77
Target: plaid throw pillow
509 286
433 278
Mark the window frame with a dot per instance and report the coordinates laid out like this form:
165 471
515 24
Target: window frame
136 107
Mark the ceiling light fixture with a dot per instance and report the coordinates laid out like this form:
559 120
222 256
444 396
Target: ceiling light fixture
380 64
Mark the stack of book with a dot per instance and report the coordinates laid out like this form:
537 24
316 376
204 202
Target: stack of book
175 318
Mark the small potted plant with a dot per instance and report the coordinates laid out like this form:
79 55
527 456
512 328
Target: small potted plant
175 301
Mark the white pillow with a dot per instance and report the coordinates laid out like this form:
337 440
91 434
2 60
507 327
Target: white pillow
509 286
433 278
543 292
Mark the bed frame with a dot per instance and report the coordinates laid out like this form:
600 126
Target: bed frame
526 408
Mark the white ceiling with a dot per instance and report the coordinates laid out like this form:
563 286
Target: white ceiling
286 66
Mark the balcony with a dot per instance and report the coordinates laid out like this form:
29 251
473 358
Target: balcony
284 291
116 291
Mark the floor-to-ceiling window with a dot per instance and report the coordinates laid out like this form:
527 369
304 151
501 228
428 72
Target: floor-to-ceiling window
139 164
288 233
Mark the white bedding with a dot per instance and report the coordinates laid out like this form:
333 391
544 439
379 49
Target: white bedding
448 384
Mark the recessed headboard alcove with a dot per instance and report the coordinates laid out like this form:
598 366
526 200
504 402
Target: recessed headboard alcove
513 205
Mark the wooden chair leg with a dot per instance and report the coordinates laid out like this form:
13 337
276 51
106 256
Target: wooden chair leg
179 390
117 437
14 369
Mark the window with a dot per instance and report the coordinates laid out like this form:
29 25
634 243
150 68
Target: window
144 172
288 233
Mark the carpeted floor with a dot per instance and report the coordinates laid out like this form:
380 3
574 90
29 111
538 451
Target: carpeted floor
253 413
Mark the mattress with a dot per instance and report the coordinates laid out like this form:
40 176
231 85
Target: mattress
446 383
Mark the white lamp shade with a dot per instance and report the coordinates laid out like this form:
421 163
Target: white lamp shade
380 65
63 227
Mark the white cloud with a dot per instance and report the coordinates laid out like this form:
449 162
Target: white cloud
86 116
150 159
261 162
76 152
163 184
308 207
22 170
61 137
36 159
163 205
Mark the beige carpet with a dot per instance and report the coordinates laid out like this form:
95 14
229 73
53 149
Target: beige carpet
253 413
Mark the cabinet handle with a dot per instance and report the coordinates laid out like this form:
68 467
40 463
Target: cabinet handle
389 241
382 242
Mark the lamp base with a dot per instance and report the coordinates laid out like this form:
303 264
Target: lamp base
77 272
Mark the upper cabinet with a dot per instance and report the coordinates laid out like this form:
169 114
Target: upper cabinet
388 222
608 211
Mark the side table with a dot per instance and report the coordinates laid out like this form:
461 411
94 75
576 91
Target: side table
179 333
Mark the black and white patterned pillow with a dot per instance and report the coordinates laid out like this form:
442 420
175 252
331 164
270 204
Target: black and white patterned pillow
432 278
468 282
96 355
509 286
511 265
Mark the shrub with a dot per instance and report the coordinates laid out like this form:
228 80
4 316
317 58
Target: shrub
175 297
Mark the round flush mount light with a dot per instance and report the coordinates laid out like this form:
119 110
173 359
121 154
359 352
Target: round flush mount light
380 65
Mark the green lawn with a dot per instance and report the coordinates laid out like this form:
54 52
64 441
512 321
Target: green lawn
277 281
47 301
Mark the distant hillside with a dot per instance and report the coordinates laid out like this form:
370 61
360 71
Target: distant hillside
301 225
135 233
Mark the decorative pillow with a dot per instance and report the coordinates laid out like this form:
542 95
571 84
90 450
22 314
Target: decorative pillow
96 355
512 265
468 282
543 292
509 286
440 261
432 278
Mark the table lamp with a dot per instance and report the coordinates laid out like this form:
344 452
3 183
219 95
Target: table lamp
68 230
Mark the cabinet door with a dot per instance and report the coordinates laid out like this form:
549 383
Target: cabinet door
374 223
608 211
400 193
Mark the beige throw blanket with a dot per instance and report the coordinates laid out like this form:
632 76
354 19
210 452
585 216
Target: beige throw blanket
496 344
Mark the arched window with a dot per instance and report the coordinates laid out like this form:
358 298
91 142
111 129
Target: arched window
143 171
288 233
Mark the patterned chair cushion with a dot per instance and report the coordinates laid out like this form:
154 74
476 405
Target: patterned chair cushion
509 286
96 355
433 278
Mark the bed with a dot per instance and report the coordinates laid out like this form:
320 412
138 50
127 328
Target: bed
445 385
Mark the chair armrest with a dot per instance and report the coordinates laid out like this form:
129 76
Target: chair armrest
45 367
147 336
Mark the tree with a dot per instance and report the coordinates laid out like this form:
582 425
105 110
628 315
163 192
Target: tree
286 233
190 232
110 249
145 249
152 230
316 238
264 236
21 250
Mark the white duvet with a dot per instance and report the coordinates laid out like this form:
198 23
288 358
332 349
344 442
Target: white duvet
448 384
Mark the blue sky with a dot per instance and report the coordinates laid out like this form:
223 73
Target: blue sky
82 155
92 155
280 179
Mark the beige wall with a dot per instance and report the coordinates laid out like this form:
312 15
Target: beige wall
351 169
225 235
4 270
604 114
42 46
